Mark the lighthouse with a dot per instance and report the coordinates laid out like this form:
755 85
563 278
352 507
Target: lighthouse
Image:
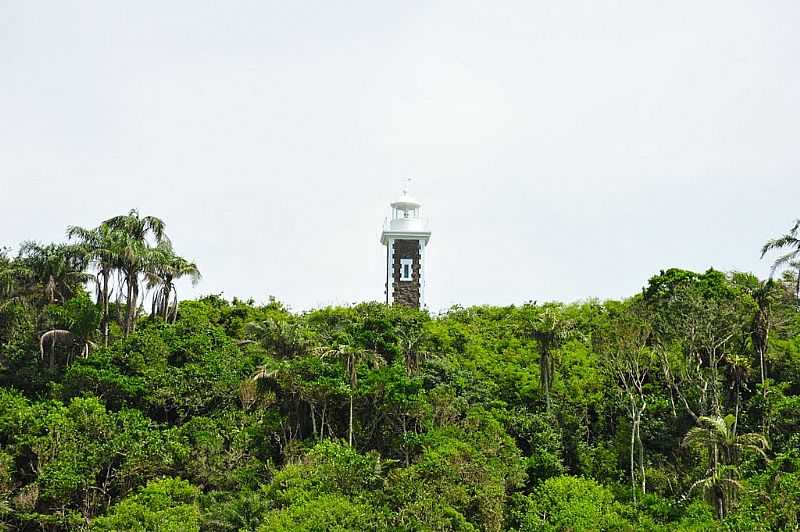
405 235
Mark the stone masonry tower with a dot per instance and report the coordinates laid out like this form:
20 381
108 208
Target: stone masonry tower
405 236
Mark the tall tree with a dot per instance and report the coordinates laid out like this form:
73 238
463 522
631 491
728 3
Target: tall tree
163 269
723 447
739 369
763 295
351 357
628 359
56 270
790 241
412 339
103 247
551 328
695 331
14 278
136 232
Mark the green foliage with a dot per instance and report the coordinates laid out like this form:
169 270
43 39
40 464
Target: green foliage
327 512
570 503
171 371
329 467
234 510
676 409
333 487
225 451
82 453
770 500
79 315
168 505
712 284
539 441
462 476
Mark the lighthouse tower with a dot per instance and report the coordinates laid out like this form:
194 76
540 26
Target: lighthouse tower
405 235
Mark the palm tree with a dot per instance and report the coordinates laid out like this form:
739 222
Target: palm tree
351 357
790 240
717 436
551 329
739 368
763 294
102 247
249 392
56 269
286 338
135 232
719 488
412 341
263 385
164 268
7 275
14 277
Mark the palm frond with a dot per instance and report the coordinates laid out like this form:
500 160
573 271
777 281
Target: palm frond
710 430
783 260
55 336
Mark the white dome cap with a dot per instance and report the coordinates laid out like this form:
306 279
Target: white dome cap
406 201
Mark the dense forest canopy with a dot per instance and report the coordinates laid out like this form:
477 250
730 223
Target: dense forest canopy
124 408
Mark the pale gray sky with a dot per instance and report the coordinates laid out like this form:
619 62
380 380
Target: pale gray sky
563 150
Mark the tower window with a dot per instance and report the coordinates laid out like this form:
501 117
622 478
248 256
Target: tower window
405 269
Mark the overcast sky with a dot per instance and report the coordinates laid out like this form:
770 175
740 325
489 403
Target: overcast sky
563 150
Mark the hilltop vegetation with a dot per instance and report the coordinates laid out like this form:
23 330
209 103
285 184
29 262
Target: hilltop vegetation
123 408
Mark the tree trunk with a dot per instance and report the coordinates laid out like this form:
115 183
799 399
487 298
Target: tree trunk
797 286
763 346
718 494
350 429
642 479
405 440
544 368
738 401
313 419
129 307
135 306
715 394
166 291
322 421
632 465
106 275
